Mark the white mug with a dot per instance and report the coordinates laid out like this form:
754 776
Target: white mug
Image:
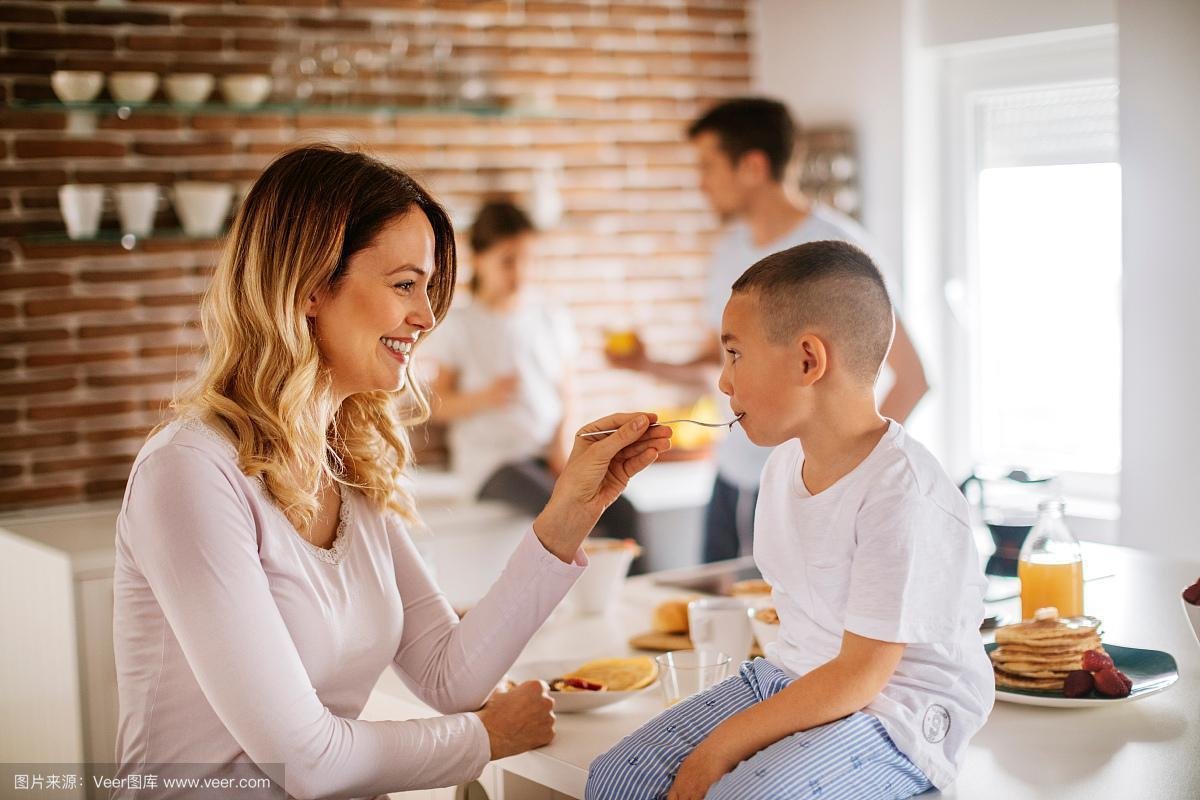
720 623
136 206
81 206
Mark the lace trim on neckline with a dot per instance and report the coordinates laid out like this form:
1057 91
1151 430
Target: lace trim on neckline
336 552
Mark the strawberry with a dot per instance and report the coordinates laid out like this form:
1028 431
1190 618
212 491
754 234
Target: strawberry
1096 660
1192 593
1079 683
1111 682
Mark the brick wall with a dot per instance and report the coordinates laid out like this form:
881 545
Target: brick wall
94 338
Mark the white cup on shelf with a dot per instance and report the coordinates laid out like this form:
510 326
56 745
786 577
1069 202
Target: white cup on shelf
188 88
720 624
246 91
137 204
81 207
132 87
76 85
202 206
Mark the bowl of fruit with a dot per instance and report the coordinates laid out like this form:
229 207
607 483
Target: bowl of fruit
1191 607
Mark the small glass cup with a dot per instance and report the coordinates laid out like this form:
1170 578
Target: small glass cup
684 673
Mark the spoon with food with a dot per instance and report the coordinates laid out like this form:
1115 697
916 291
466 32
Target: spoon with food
729 425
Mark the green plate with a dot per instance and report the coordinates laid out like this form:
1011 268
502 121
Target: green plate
1150 670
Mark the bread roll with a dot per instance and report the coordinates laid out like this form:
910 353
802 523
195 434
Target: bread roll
671 617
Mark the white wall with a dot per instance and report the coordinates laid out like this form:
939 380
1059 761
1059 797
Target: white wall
840 61
1160 116
845 61
945 22
868 63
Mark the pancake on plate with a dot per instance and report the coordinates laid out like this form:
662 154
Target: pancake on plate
618 674
1039 653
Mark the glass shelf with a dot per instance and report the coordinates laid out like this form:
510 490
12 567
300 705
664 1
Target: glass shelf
108 239
125 110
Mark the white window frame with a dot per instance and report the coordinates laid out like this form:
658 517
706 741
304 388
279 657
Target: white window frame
1077 57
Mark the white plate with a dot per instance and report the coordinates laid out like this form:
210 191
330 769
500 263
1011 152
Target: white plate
569 702
1150 670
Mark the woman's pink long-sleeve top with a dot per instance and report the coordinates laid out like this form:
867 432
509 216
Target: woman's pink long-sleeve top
238 641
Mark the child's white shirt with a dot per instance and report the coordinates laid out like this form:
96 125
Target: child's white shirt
886 553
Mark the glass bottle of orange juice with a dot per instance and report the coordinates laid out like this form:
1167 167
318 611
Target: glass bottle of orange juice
1051 565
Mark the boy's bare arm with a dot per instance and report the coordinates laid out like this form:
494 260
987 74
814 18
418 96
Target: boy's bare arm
834 690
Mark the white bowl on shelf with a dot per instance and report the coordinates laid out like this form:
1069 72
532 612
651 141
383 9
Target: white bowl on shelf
76 86
81 207
132 87
246 91
188 88
202 206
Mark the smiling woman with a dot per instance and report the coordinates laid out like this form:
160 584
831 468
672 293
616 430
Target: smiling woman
265 576
368 254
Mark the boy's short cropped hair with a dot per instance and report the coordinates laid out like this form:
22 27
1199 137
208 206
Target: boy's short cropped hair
751 123
832 288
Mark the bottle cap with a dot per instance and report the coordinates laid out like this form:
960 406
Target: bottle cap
1052 504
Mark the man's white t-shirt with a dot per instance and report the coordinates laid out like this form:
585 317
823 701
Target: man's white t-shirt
739 461
886 553
535 343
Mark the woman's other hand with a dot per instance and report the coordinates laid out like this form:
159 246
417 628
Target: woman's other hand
597 471
519 719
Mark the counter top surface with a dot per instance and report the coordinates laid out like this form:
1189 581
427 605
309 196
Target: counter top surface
1148 748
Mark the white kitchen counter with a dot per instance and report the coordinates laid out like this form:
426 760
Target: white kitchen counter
1144 749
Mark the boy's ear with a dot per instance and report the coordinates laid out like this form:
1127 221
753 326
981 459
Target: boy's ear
813 358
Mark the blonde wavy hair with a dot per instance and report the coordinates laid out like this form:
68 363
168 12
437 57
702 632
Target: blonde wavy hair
308 213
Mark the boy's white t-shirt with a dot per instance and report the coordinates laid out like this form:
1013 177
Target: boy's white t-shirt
533 342
740 461
886 553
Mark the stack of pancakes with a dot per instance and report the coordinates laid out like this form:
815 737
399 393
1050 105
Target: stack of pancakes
1038 654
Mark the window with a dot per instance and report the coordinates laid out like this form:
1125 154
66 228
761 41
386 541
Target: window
1031 251
1047 255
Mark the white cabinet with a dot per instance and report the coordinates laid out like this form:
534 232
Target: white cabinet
57 566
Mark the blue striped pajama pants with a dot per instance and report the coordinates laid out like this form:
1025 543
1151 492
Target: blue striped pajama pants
851 758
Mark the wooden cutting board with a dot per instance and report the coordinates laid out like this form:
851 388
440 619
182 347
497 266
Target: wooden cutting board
666 642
